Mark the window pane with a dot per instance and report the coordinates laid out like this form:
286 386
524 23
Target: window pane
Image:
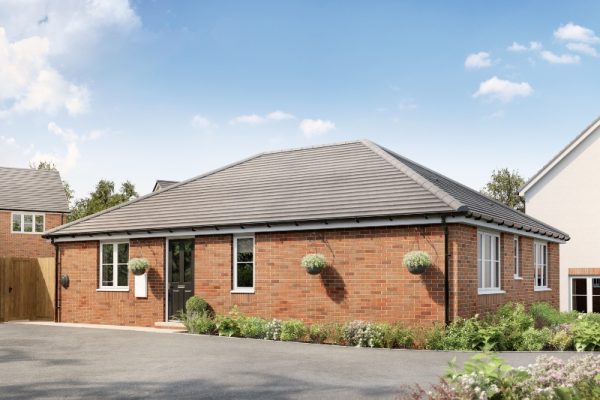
596 286
16 222
27 223
487 274
107 275
580 303
579 286
122 275
245 275
123 251
107 253
245 249
39 223
596 304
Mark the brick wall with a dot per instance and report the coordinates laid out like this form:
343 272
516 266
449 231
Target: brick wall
81 302
464 299
26 244
365 280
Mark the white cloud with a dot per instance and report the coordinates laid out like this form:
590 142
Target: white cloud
576 33
553 58
503 90
520 48
583 48
202 123
315 127
478 60
279 116
250 119
65 134
64 163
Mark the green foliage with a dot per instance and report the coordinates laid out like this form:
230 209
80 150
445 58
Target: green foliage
335 333
101 198
139 266
317 333
273 330
545 314
201 323
49 165
534 339
586 334
562 338
196 305
363 334
228 325
396 336
252 327
314 263
293 330
417 261
504 186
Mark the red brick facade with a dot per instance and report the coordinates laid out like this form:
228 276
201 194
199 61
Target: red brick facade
365 278
27 244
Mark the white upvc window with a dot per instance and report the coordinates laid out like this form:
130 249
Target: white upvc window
243 264
27 222
540 265
488 262
517 257
114 257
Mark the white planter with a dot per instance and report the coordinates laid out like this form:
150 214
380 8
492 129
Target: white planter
141 285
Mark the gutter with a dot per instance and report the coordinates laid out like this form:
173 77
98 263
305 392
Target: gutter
446 271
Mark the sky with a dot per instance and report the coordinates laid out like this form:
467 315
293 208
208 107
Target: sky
146 90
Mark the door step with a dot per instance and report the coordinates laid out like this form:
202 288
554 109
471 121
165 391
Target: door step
170 325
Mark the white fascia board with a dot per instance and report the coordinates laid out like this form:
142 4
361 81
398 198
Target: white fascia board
257 229
501 228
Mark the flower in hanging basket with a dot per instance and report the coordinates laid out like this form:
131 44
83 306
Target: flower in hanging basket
314 263
417 261
138 266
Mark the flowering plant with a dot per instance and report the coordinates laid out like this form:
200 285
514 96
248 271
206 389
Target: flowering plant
314 263
417 261
138 266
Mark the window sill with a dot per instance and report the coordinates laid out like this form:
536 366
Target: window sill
542 289
518 278
243 291
113 289
483 291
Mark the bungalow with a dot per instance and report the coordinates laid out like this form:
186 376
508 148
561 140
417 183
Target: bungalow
236 236
31 201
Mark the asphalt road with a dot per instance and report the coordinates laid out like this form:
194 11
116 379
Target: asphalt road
64 362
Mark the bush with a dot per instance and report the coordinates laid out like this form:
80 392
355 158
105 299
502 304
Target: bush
273 330
562 338
396 336
586 334
200 324
293 330
363 334
434 338
545 315
535 339
196 305
252 327
228 325
317 333
335 333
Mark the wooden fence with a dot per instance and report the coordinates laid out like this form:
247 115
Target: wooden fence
27 288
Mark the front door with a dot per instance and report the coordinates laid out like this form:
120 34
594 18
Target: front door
181 274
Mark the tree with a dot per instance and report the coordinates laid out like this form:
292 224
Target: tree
48 165
101 198
504 186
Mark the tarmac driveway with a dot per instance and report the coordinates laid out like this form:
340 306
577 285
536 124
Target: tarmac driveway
38 361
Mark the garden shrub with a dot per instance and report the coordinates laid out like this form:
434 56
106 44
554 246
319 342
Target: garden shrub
293 330
273 330
534 339
545 315
200 323
335 333
396 336
586 334
196 305
363 334
252 327
434 337
228 325
317 333
562 338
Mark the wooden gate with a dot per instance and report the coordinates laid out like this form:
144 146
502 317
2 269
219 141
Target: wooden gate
27 288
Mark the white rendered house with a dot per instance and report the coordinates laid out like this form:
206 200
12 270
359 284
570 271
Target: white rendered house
566 194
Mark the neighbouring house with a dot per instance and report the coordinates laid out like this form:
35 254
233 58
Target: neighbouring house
161 184
564 194
31 202
237 235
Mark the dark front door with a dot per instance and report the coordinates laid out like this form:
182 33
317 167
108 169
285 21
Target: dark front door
181 274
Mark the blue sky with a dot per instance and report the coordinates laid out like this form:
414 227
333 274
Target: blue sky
168 90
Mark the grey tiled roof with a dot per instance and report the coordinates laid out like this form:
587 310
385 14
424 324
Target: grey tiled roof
161 184
333 182
32 190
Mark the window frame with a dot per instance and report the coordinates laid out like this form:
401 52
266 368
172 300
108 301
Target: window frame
33 217
493 289
114 287
517 257
536 287
235 288
589 291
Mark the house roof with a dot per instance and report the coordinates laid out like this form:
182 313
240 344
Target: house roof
591 128
340 181
25 189
161 184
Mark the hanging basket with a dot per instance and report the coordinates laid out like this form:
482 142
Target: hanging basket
417 262
314 263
